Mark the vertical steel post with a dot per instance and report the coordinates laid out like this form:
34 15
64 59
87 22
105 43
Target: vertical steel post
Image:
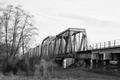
96 45
114 43
70 43
109 43
54 47
79 41
66 41
100 45
104 45
81 44
74 41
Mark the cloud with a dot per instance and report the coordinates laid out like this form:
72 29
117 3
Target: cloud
92 21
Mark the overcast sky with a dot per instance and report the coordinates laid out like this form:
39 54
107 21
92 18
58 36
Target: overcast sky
101 18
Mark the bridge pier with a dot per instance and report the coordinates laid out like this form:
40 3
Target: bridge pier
94 60
93 64
100 59
67 62
88 62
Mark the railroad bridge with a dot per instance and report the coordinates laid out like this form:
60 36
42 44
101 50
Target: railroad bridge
72 44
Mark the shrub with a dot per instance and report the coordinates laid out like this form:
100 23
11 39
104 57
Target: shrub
45 68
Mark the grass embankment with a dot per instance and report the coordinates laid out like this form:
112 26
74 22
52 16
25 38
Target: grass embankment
50 71
64 74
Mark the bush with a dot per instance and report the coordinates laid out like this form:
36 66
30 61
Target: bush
45 68
15 65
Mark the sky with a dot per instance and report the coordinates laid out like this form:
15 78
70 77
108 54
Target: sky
100 18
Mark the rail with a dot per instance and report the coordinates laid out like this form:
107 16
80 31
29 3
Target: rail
107 44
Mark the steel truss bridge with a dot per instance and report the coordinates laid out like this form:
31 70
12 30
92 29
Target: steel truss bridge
73 43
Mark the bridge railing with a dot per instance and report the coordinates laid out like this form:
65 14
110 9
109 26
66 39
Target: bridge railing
107 44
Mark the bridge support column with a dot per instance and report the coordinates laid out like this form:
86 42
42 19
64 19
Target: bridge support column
106 58
64 63
94 60
67 62
93 63
106 62
87 63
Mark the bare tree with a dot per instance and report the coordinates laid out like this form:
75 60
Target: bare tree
17 27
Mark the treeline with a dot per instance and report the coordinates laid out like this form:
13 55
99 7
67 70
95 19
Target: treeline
16 30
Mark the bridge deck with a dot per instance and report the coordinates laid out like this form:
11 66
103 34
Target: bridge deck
105 47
